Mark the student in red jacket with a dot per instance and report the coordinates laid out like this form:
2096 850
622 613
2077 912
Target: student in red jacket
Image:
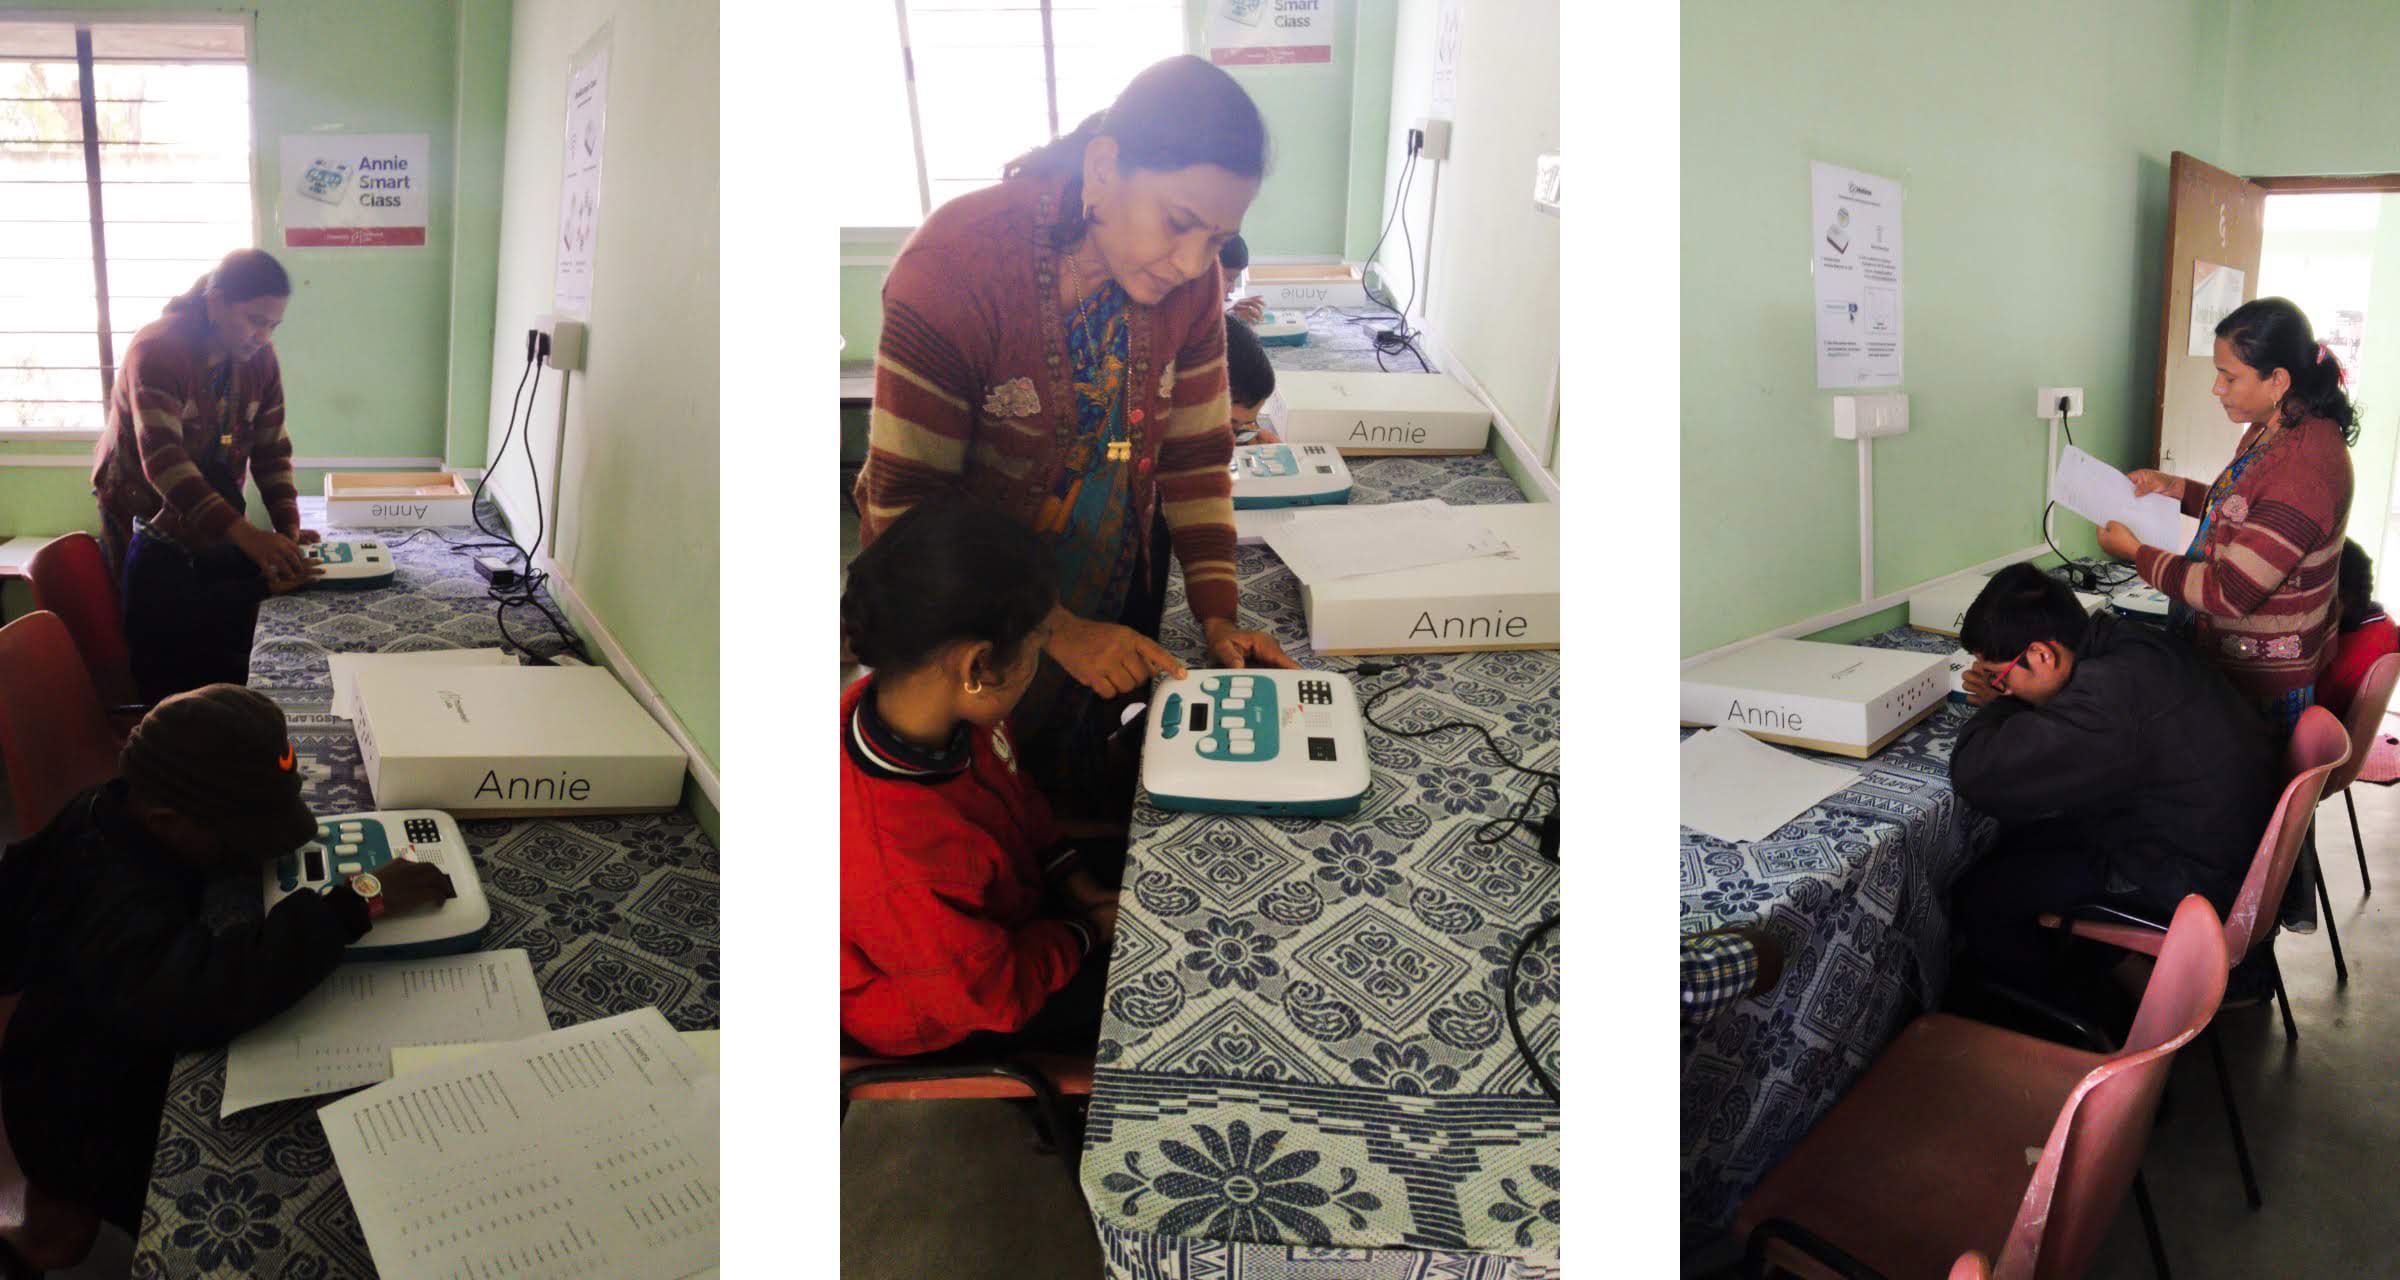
2365 632
962 912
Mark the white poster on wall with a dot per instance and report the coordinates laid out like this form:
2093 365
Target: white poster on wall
1854 222
579 184
1444 103
2216 293
1252 33
354 190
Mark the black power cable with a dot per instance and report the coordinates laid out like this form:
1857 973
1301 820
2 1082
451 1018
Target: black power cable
526 590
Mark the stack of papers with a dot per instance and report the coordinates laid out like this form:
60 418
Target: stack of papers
1740 789
346 666
342 1034
589 1151
1321 545
2100 493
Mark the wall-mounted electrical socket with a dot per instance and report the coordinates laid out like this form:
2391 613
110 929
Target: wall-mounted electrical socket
1437 138
2045 402
1545 184
566 342
1864 417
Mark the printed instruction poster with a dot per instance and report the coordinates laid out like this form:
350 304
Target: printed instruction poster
1854 220
579 185
354 190
1444 104
1253 33
2216 293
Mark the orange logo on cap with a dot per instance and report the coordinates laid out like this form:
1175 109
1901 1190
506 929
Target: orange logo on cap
286 762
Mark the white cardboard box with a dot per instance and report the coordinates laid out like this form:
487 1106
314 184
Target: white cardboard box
1841 698
1306 287
1943 608
1491 602
1380 413
512 741
397 500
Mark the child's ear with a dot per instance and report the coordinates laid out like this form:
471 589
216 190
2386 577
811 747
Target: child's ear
980 670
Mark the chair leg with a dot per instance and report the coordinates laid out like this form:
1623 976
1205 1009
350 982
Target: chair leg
2291 1032
2366 883
2333 932
2233 1116
2158 1245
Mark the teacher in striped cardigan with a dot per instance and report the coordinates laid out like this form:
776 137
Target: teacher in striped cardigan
1055 345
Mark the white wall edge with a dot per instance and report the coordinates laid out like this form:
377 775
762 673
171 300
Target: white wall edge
372 464
1509 437
590 627
1888 600
46 460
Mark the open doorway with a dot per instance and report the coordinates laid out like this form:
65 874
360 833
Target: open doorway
2337 255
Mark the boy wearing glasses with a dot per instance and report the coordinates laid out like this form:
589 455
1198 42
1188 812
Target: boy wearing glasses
2124 772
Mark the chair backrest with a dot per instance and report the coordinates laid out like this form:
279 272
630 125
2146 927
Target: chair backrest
54 736
70 578
2374 697
1970 1266
2318 746
2095 1147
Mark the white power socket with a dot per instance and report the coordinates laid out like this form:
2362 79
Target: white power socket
1545 184
2045 402
1437 138
566 342
1865 417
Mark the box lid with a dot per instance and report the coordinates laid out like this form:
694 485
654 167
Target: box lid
1530 566
511 712
1814 668
1318 391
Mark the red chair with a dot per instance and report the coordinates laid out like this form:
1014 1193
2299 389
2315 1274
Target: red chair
2318 746
70 578
54 737
39 1232
1963 1136
1045 1079
2374 697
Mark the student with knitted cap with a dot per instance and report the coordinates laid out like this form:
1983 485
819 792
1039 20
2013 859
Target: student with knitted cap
101 934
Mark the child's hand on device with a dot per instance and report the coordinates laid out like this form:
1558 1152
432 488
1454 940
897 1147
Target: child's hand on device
409 884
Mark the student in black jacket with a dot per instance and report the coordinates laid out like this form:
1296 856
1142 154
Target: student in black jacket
101 932
2123 772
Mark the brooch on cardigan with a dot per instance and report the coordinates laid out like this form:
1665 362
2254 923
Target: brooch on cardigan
1166 383
1014 398
2235 508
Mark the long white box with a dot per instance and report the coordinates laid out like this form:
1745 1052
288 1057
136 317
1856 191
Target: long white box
1379 413
512 741
1506 601
1306 287
397 500
1942 608
1840 698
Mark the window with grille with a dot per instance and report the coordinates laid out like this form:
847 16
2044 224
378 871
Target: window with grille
948 91
124 175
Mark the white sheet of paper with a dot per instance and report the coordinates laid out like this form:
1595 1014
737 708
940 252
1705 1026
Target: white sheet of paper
1348 542
418 1057
1250 527
586 1151
1958 662
1738 788
341 1035
346 666
2100 493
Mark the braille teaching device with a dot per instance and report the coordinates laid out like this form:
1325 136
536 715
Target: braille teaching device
351 564
1841 698
1288 475
2142 601
1282 329
348 844
1287 743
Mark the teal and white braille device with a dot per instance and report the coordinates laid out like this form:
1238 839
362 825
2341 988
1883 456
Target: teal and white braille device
1289 475
1284 743
1282 329
348 844
351 564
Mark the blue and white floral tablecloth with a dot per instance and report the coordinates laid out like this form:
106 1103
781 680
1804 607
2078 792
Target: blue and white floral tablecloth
617 914
1858 888
1304 1073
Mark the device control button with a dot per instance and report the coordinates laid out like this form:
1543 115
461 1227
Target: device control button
1244 748
1208 747
1235 704
349 868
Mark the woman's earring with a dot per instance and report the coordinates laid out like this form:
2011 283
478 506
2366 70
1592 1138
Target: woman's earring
974 688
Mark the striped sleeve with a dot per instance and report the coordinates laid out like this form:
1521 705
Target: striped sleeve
271 455
2194 497
927 373
1195 488
158 392
2263 551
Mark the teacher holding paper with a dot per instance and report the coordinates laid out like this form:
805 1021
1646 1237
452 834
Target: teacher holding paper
2255 590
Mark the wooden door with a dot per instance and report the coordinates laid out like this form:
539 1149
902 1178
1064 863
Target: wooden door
2217 218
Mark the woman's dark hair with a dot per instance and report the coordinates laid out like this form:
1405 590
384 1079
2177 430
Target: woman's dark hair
243 275
2270 334
2018 608
1235 256
1177 113
2354 592
949 569
1249 378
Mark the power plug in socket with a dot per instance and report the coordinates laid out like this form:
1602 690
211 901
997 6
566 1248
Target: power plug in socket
2045 402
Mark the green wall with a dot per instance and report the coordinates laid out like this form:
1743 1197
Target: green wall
367 347
637 474
2313 87
2035 215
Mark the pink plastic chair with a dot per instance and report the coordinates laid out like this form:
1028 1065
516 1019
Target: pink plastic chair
70 578
1971 1266
2374 697
54 737
1967 1136
2318 746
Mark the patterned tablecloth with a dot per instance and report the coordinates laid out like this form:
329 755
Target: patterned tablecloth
1304 1048
1858 888
617 914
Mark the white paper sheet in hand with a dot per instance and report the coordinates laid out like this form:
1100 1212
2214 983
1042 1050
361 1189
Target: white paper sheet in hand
1740 789
341 1035
1350 541
2100 493
588 1151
